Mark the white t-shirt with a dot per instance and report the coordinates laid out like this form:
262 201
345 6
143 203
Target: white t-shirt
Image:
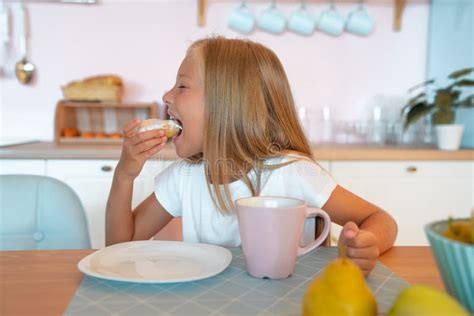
182 190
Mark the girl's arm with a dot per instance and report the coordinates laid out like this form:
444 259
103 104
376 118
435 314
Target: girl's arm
146 220
368 230
121 224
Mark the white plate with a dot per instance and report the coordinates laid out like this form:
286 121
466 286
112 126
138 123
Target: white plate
154 261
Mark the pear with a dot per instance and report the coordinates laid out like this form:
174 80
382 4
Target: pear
421 300
340 289
461 230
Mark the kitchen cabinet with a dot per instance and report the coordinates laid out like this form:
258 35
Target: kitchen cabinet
414 193
23 166
91 180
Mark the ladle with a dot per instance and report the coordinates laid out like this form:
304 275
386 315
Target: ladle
24 70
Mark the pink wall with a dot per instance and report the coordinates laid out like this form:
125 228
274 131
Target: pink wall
144 42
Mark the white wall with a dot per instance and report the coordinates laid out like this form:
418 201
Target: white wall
144 42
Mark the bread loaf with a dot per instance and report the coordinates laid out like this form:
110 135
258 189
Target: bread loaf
97 88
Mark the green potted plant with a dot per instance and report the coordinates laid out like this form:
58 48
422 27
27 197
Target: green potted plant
442 107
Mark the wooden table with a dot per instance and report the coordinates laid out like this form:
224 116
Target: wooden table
43 282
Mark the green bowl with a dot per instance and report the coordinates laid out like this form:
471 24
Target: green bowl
455 261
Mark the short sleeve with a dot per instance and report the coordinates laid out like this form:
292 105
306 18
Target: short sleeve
307 180
318 182
168 188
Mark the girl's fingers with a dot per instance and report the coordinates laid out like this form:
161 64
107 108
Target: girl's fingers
152 151
145 136
129 127
363 253
362 240
365 265
148 144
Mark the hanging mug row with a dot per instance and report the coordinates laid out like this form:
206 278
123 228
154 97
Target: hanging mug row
302 21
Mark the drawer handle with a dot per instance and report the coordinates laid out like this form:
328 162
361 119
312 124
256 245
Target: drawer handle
411 169
106 168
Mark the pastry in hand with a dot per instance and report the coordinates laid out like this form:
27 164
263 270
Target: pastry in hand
170 127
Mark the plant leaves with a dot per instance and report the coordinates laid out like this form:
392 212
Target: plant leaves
468 102
465 83
420 98
416 99
455 94
427 82
460 73
443 117
404 109
444 99
416 112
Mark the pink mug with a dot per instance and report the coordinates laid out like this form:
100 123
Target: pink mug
271 230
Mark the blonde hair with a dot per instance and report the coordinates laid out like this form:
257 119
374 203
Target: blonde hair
250 114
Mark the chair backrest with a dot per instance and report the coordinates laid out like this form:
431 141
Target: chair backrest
38 212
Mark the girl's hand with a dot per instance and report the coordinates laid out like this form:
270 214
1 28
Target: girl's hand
138 148
361 246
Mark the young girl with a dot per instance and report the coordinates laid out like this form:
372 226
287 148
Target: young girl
241 137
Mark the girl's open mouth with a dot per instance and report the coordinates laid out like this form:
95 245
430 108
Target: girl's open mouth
179 126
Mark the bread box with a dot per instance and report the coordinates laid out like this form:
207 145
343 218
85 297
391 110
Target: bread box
88 123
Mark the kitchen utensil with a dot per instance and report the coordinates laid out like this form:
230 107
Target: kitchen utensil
359 21
272 20
242 19
377 127
24 70
5 18
455 261
154 261
326 125
5 33
302 21
331 21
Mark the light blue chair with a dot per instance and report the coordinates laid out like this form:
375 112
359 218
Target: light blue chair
38 212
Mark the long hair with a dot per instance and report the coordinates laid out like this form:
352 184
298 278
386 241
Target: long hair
250 114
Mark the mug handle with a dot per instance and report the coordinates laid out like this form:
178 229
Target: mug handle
314 212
